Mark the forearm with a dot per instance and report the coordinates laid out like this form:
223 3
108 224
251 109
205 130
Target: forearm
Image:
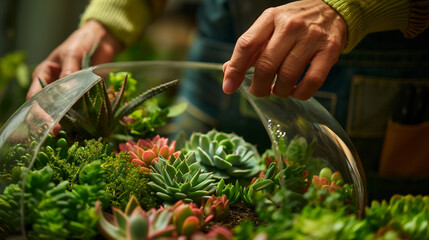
125 19
366 16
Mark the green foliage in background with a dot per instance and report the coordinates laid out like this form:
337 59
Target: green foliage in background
14 82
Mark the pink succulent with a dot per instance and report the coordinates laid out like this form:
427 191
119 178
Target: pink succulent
324 183
145 151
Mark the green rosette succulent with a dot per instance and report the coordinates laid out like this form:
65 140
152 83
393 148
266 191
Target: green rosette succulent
228 156
181 178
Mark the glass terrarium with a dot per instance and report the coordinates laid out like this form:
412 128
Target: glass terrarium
186 155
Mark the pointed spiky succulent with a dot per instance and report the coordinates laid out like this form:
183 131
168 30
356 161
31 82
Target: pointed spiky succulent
135 223
228 156
102 111
292 177
231 191
181 178
146 151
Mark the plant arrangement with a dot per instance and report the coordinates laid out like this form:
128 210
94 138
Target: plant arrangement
123 181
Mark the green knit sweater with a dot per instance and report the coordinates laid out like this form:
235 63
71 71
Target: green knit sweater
126 18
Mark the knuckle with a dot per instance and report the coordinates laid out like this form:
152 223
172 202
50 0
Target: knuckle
287 72
315 32
245 42
265 65
315 79
269 13
233 70
292 24
333 46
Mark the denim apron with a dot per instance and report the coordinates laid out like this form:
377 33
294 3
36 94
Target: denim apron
361 90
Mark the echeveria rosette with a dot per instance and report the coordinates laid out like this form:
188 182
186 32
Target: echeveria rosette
228 156
146 151
181 178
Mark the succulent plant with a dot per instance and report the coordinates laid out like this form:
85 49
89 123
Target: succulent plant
328 180
218 207
188 218
100 114
181 178
292 177
228 156
231 191
146 151
135 223
216 233
171 222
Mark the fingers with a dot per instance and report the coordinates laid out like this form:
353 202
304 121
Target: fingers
268 63
70 64
316 74
297 60
246 51
48 71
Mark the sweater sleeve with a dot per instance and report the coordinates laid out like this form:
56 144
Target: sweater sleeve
366 16
125 19
419 18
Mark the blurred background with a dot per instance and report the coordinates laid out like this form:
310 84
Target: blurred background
30 30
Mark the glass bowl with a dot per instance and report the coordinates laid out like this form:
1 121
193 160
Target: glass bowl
282 120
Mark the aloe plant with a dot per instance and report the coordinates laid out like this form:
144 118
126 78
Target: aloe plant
181 178
228 156
101 114
146 151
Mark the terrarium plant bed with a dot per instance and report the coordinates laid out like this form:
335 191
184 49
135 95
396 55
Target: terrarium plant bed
109 174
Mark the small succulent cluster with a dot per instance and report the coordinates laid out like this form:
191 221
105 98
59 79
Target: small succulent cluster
146 151
328 180
178 221
228 156
181 178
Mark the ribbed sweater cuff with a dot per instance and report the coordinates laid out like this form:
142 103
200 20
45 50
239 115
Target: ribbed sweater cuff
367 16
125 19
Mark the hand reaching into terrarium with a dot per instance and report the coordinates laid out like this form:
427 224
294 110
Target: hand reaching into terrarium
282 42
67 57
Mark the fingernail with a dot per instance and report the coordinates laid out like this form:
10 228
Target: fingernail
227 86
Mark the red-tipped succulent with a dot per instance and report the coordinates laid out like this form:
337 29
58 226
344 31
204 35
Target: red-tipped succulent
328 180
188 218
218 207
146 151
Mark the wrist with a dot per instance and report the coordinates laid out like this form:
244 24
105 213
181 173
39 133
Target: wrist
103 34
367 16
124 19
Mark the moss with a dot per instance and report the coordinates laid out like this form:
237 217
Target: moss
124 180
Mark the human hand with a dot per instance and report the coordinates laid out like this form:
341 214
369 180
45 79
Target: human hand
282 41
67 57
